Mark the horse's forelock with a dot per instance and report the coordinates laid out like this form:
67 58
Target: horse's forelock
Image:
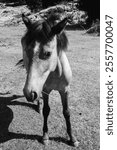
39 32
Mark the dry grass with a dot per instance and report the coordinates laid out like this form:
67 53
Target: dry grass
26 125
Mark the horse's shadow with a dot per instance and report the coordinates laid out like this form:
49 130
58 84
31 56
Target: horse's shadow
11 135
6 117
12 100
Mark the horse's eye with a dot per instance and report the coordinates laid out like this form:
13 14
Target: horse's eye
47 54
44 55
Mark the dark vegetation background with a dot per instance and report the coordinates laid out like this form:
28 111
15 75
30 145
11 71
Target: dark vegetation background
92 7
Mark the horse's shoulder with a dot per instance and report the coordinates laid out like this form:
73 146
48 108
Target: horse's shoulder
66 69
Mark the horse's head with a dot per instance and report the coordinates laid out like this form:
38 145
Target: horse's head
39 53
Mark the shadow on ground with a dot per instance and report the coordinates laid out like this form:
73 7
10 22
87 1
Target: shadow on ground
6 117
10 135
12 100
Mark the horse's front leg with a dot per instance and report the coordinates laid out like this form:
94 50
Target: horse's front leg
66 113
46 111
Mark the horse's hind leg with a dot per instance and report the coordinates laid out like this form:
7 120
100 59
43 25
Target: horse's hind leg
66 113
46 110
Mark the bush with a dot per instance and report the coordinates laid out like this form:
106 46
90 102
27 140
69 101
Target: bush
92 7
34 5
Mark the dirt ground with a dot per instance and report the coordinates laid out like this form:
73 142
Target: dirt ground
25 129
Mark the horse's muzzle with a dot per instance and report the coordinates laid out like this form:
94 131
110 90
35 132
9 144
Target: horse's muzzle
31 97
34 96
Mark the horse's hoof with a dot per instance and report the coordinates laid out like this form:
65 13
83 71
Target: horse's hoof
45 139
46 142
74 143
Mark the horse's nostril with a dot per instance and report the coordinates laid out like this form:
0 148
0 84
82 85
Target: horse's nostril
34 95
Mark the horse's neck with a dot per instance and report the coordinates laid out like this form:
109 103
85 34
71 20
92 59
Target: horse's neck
61 77
66 69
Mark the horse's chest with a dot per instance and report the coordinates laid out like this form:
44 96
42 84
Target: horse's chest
55 82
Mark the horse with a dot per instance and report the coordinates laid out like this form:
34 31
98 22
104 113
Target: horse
44 57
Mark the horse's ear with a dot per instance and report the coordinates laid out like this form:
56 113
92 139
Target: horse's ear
26 21
59 27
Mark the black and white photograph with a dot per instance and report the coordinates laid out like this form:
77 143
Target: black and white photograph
50 74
